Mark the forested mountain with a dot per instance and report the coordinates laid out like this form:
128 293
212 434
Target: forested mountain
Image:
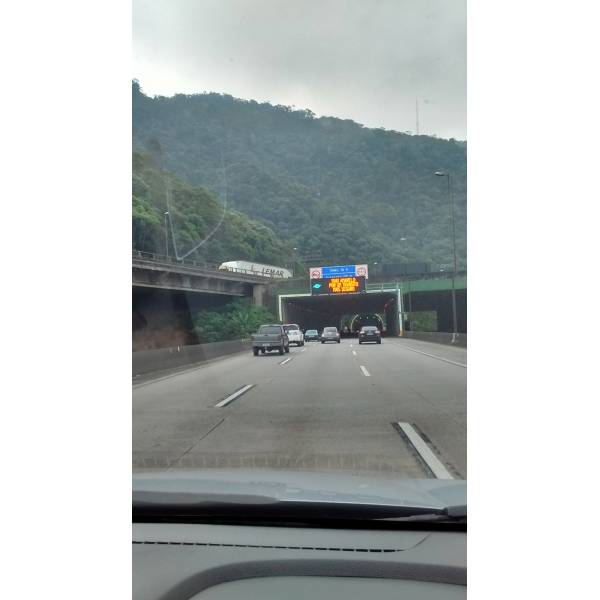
331 188
195 213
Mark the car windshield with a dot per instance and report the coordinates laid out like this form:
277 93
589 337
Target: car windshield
299 166
269 329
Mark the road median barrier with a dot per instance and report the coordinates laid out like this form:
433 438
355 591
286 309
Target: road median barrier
438 337
150 361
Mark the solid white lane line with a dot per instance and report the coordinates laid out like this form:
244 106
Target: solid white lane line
434 356
287 360
235 395
364 371
354 352
430 459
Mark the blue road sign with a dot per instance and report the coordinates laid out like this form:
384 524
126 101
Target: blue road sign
340 271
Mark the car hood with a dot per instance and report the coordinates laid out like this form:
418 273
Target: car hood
298 486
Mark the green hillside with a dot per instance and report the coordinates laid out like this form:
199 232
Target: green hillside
195 212
330 187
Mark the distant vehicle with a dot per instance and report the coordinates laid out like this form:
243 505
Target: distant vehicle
330 334
250 268
294 333
270 337
311 335
369 333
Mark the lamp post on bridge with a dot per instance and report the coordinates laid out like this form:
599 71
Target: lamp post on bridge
166 234
296 260
451 206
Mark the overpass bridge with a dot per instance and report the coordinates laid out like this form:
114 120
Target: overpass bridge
168 292
165 273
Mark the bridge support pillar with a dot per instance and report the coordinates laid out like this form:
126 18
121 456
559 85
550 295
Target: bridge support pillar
258 294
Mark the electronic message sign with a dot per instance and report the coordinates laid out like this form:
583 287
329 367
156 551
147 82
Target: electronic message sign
334 286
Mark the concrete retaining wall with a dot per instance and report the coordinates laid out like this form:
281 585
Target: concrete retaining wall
438 337
149 361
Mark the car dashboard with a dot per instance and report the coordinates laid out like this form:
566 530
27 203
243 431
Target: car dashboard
175 561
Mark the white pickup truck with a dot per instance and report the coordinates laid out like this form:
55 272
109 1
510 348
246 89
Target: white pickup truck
294 333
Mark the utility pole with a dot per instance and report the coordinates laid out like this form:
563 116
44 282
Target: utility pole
451 206
454 321
409 286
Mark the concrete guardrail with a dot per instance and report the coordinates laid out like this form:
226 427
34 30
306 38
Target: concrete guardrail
150 361
439 337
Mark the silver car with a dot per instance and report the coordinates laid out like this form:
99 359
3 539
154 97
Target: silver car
330 334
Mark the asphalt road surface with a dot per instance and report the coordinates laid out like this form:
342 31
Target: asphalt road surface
331 407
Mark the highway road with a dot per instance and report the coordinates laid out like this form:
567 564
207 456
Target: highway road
321 407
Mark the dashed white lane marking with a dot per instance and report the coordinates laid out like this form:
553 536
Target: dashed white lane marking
430 459
235 395
354 352
287 360
434 356
364 371
303 350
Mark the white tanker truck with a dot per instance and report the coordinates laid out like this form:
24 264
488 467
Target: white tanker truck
242 266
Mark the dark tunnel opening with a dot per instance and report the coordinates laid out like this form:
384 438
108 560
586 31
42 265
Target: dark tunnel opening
347 312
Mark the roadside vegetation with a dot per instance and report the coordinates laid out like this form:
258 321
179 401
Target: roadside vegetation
233 321
195 213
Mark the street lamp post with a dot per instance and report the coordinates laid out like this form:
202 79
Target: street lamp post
404 239
451 205
167 233
295 260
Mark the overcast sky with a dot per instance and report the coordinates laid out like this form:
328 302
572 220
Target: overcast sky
366 60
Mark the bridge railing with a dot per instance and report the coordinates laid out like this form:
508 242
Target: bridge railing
162 258
189 263
373 287
402 281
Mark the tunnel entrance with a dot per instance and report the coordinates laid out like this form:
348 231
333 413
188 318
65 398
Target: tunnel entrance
360 320
351 311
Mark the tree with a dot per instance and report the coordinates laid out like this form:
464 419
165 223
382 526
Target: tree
234 321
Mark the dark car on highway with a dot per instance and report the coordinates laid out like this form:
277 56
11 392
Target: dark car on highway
330 334
270 337
311 335
369 333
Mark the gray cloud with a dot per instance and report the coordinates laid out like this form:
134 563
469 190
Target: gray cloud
366 60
